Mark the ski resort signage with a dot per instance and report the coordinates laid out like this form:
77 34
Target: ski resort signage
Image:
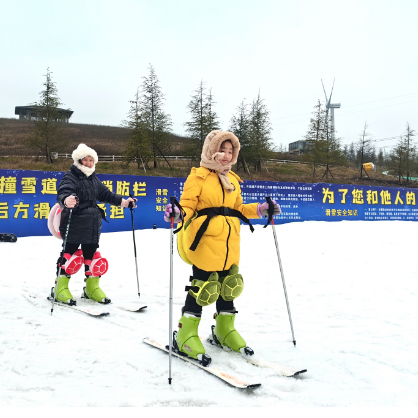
26 197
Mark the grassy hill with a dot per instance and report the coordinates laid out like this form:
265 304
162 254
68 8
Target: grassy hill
109 140
106 140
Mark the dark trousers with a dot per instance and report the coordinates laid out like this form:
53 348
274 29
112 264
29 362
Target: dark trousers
221 304
70 248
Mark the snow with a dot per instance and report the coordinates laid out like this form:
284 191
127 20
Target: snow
352 289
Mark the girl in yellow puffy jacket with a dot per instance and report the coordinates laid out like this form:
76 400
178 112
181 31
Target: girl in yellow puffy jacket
210 242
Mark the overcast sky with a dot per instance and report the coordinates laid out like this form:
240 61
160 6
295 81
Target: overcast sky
99 50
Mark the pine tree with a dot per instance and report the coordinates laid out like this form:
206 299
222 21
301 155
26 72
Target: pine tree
364 150
410 150
315 138
346 152
138 143
156 120
48 133
352 153
380 158
240 127
403 157
397 159
331 153
213 122
260 141
203 119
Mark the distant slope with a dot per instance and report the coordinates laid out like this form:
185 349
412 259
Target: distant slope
106 140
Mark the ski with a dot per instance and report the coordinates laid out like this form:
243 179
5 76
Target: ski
86 310
259 362
125 308
8 238
226 377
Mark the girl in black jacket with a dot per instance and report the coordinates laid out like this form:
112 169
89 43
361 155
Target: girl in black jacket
79 190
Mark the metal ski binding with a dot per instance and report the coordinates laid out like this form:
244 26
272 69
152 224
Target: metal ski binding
203 359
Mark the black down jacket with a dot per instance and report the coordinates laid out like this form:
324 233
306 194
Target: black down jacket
86 219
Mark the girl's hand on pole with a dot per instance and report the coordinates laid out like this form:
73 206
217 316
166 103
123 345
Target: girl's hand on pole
125 202
177 215
262 210
71 202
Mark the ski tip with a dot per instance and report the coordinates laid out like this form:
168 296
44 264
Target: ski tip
300 372
255 385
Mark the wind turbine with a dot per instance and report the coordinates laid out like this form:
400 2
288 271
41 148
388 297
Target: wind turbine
331 106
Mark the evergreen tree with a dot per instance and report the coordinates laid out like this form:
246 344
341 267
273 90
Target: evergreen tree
157 122
352 153
315 137
403 157
213 122
380 158
203 119
397 159
48 133
240 127
331 153
346 152
364 149
138 143
410 151
260 141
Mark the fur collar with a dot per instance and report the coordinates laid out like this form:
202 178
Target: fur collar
85 170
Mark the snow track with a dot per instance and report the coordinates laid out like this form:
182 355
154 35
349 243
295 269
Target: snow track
353 292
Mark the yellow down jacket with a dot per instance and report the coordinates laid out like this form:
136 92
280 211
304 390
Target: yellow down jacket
219 247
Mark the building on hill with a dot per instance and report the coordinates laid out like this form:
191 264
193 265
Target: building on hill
29 113
297 147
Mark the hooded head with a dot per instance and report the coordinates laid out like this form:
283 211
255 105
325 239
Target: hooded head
211 147
212 155
81 152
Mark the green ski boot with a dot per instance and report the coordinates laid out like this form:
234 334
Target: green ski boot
63 293
186 341
93 291
224 333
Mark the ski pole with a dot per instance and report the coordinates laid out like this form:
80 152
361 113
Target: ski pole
64 245
170 324
270 219
133 233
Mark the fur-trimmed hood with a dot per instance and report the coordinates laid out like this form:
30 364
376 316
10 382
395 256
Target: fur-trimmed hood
81 152
211 155
213 143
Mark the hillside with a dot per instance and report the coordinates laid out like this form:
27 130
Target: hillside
106 140
109 140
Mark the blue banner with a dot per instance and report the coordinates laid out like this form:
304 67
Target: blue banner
26 198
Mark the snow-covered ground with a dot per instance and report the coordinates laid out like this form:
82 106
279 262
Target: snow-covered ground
353 296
